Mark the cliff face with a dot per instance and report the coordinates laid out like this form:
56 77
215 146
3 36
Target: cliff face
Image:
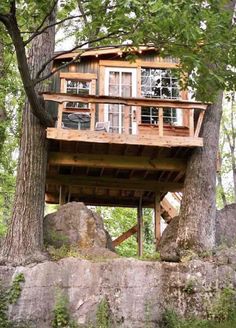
137 292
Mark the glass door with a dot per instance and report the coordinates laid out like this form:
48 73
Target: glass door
120 82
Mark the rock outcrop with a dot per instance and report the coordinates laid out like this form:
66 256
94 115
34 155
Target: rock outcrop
75 224
137 291
225 230
226 226
168 246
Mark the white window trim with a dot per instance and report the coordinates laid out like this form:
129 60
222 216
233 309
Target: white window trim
76 79
134 90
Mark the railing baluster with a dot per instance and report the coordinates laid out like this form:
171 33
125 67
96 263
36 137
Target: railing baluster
61 106
160 122
92 117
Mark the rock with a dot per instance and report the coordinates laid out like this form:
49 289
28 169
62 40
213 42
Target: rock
168 246
226 226
75 224
226 256
98 253
137 291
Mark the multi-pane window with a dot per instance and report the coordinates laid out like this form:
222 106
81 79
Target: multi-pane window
72 119
159 83
79 88
149 115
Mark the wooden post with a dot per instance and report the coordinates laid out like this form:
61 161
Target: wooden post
160 122
61 106
157 213
92 106
62 195
199 123
92 121
140 228
191 122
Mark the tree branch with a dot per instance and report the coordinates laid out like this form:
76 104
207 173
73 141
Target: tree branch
47 27
81 9
13 7
36 106
3 19
44 20
38 79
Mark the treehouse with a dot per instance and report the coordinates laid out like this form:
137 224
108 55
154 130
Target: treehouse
124 131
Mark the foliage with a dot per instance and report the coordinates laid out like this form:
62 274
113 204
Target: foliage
4 322
63 251
224 307
103 319
117 220
189 288
226 189
61 312
15 290
11 102
222 314
56 237
8 297
154 256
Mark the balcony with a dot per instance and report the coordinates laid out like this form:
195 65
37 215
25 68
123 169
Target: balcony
134 129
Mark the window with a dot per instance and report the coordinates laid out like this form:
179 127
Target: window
149 115
79 88
159 83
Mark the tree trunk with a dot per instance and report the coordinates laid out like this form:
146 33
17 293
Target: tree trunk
198 208
24 240
3 115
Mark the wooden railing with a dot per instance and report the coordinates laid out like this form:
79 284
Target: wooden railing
188 107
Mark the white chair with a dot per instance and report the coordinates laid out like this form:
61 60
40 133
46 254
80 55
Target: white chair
102 126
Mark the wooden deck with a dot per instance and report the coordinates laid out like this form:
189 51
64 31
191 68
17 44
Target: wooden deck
119 169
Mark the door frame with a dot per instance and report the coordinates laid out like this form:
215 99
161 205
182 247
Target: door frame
133 71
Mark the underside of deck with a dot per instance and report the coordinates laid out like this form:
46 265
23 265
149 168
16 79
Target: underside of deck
112 174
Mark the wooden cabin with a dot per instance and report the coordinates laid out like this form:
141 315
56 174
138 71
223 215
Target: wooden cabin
124 130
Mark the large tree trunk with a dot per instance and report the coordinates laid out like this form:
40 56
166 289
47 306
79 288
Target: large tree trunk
24 240
3 115
198 209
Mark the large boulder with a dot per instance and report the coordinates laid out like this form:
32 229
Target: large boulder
75 224
226 226
168 246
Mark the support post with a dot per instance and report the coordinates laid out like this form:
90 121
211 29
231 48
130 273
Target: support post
157 213
62 195
140 228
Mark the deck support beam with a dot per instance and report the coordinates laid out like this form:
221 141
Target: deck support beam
74 182
116 161
140 228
